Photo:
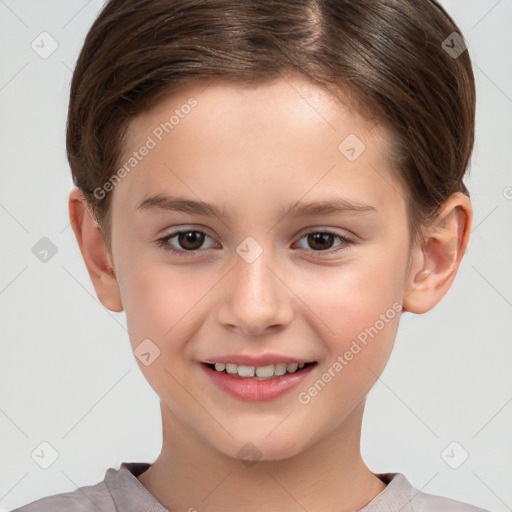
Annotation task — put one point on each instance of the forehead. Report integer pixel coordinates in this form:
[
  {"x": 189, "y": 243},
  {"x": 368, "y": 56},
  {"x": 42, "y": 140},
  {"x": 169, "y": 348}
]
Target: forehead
[{"x": 288, "y": 137}]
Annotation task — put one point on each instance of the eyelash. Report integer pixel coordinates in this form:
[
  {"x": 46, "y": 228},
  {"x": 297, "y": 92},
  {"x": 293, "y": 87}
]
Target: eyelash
[{"x": 164, "y": 242}]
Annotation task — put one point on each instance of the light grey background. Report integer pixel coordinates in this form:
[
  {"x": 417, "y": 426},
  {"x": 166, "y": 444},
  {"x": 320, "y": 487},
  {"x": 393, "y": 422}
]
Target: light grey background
[{"x": 68, "y": 376}]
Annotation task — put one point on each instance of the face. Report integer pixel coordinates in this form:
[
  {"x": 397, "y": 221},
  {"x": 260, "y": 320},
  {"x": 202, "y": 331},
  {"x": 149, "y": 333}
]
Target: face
[{"x": 302, "y": 257}]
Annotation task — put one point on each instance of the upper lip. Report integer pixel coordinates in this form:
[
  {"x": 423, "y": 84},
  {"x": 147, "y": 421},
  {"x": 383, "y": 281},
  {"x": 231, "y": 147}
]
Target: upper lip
[{"x": 259, "y": 360}]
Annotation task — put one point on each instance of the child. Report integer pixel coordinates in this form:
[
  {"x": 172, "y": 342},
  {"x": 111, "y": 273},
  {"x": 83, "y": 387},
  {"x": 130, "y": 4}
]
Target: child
[{"x": 316, "y": 151}]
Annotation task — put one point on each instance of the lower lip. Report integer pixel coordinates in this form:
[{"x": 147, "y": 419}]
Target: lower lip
[{"x": 253, "y": 390}]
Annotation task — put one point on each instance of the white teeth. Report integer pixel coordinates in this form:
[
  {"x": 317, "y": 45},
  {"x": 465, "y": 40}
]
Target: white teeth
[
  {"x": 231, "y": 368},
  {"x": 280, "y": 369},
  {"x": 262, "y": 372},
  {"x": 292, "y": 368},
  {"x": 265, "y": 371},
  {"x": 246, "y": 371}
]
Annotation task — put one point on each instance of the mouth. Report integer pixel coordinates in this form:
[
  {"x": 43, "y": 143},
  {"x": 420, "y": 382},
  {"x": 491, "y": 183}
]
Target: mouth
[
  {"x": 257, "y": 383},
  {"x": 271, "y": 371}
]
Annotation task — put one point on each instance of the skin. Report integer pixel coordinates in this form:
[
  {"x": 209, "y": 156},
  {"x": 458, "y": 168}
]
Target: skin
[{"x": 255, "y": 151}]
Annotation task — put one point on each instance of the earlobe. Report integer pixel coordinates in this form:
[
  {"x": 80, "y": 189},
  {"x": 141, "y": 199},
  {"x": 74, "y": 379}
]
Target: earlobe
[
  {"x": 94, "y": 251},
  {"x": 435, "y": 264}
]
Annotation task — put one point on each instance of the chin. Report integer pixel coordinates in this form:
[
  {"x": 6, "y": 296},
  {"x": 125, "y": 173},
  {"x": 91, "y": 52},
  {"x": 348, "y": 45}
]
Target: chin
[{"x": 260, "y": 448}]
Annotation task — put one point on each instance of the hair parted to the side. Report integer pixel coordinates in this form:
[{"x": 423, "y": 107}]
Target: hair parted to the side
[{"x": 386, "y": 56}]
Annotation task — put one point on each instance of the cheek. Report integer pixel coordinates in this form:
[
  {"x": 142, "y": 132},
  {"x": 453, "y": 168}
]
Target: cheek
[
  {"x": 357, "y": 308},
  {"x": 161, "y": 302},
  {"x": 353, "y": 296},
  {"x": 359, "y": 317}
]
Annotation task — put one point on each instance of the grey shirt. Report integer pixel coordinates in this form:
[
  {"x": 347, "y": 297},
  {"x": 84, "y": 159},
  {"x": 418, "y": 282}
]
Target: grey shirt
[{"x": 120, "y": 491}]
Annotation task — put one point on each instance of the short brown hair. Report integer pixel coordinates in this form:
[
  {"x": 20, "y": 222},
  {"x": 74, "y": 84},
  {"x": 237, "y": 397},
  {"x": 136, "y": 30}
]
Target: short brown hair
[{"x": 388, "y": 55}]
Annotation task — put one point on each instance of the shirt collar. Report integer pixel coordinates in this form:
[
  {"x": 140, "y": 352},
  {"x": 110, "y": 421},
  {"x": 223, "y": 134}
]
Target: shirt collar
[
  {"x": 130, "y": 495},
  {"x": 397, "y": 495}
]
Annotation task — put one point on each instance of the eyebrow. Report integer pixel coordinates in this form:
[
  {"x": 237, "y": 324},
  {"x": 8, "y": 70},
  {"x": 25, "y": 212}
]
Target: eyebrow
[{"x": 181, "y": 204}]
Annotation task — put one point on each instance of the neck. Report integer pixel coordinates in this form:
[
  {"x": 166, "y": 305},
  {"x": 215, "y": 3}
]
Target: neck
[{"x": 329, "y": 475}]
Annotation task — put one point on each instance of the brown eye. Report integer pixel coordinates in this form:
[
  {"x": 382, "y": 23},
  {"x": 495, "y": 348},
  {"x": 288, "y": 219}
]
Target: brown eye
[
  {"x": 190, "y": 240},
  {"x": 185, "y": 242},
  {"x": 321, "y": 241}
]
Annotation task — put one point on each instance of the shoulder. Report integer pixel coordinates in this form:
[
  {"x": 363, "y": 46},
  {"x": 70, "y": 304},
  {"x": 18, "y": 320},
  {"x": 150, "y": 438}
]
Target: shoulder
[
  {"x": 424, "y": 502},
  {"x": 120, "y": 490},
  {"x": 399, "y": 494},
  {"x": 84, "y": 499}
]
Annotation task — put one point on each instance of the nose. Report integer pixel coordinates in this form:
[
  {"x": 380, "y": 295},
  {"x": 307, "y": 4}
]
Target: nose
[{"x": 255, "y": 298}]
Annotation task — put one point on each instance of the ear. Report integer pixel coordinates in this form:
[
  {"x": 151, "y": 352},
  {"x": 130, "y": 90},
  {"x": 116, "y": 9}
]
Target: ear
[
  {"x": 94, "y": 251},
  {"x": 434, "y": 264}
]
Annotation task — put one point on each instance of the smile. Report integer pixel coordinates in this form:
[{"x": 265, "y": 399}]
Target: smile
[
  {"x": 257, "y": 383},
  {"x": 258, "y": 372}
]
